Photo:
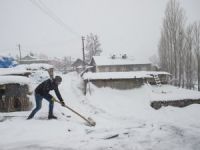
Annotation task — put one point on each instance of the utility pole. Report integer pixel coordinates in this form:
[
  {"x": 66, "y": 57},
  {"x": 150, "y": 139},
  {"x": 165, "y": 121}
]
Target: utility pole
[
  {"x": 20, "y": 55},
  {"x": 83, "y": 48}
]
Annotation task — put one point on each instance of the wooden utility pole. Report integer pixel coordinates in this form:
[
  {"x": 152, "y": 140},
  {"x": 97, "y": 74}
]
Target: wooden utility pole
[
  {"x": 20, "y": 54},
  {"x": 83, "y": 48}
]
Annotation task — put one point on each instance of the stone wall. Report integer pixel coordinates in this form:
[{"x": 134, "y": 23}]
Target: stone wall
[{"x": 176, "y": 103}]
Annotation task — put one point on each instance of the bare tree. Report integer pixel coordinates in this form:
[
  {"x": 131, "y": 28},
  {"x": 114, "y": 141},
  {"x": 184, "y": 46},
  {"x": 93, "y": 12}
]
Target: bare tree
[
  {"x": 172, "y": 40},
  {"x": 163, "y": 53},
  {"x": 154, "y": 60},
  {"x": 189, "y": 69},
  {"x": 66, "y": 62},
  {"x": 180, "y": 57},
  {"x": 93, "y": 46},
  {"x": 196, "y": 42}
]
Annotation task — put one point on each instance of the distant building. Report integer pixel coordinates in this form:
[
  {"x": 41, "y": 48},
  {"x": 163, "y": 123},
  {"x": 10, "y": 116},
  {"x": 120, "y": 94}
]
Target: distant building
[
  {"x": 124, "y": 80},
  {"x": 78, "y": 65},
  {"x": 31, "y": 59},
  {"x": 119, "y": 64},
  {"x": 122, "y": 73}
]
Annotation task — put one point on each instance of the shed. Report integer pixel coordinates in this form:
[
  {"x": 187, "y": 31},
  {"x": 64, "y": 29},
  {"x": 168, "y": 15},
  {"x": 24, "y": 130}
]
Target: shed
[
  {"x": 123, "y": 80},
  {"x": 14, "y": 91}
]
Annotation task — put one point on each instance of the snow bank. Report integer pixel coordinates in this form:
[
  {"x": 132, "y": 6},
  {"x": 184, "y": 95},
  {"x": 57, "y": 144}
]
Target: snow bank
[{"x": 170, "y": 93}]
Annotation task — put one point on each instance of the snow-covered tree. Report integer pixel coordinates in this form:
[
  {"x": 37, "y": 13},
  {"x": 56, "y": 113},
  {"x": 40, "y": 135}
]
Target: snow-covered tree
[{"x": 93, "y": 47}]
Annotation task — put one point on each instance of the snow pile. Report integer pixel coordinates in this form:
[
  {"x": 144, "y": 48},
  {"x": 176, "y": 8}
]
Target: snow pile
[
  {"x": 39, "y": 66},
  {"x": 14, "y": 70},
  {"x": 38, "y": 71},
  {"x": 170, "y": 93}
]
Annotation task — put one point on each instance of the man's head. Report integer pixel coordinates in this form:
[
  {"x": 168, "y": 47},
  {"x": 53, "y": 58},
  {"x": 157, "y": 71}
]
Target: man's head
[{"x": 57, "y": 80}]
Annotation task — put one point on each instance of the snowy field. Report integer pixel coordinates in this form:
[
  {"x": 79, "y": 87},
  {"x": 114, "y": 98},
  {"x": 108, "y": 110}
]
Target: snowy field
[{"x": 126, "y": 115}]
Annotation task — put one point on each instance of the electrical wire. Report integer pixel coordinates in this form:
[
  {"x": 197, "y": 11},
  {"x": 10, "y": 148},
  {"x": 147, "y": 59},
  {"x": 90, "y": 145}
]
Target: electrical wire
[{"x": 53, "y": 16}]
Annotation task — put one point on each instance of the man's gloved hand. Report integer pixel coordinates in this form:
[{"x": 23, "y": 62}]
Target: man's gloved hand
[
  {"x": 62, "y": 103},
  {"x": 53, "y": 99}
]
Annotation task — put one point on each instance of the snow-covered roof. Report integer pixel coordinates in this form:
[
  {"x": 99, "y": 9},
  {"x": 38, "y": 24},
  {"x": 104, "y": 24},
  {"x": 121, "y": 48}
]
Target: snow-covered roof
[
  {"x": 14, "y": 79},
  {"x": 12, "y": 71},
  {"x": 35, "y": 66},
  {"x": 32, "y": 58},
  {"x": 121, "y": 75},
  {"x": 105, "y": 61}
]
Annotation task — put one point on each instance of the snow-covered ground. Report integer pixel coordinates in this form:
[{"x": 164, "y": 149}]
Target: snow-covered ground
[{"x": 125, "y": 114}]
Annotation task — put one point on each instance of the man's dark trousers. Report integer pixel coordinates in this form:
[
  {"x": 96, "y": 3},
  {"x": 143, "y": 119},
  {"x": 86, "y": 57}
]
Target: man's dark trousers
[{"x": 38, "y": 99}]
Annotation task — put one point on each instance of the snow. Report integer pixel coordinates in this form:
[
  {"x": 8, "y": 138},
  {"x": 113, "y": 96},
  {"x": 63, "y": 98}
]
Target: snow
[
  {"x": 26, "y": 68},
  {"x": 121, "y": 75},
  {"x": 170, "y": 93},
  {"x": 15, "y": 79},
  {"x": 14, "y": 70},
  {"x": 35, "y": 66},
  {"x": 105, "y": 61},
  {"x": 124, "y": 112}
]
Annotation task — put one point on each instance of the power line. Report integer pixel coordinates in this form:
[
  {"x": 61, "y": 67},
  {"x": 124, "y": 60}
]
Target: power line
[{"x": 53, "y": 16}]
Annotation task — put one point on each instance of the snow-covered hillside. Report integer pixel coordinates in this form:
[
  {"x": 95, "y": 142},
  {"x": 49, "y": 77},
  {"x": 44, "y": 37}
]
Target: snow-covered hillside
[{"x": 124, "y": 114}]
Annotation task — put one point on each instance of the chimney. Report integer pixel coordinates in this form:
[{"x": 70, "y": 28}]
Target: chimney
[
  {"x": 124, "y": 56},
  {"x": 113, "y": 56}
]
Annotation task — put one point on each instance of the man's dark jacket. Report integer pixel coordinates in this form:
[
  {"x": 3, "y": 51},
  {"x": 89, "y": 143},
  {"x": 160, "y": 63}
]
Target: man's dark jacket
[{"x": 45, "y": 87}]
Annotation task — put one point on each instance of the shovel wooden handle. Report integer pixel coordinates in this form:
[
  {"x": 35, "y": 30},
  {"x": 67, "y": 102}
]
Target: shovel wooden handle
[{"x": 89, "y": 121}]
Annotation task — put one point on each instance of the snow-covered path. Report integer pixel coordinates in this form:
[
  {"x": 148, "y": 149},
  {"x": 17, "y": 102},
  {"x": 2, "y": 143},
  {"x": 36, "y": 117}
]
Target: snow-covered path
[{"x": 126, "y": 115}]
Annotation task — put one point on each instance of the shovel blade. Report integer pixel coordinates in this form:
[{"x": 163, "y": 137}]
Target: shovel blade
[{"x": 91, "y": 121}]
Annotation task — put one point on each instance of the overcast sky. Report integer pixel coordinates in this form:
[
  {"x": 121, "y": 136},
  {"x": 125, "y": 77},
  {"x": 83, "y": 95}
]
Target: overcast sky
[{"x": 123, "y": 26}]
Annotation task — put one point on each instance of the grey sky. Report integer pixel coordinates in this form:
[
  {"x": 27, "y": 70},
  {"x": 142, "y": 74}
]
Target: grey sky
[{"x": 123, "y": 26}]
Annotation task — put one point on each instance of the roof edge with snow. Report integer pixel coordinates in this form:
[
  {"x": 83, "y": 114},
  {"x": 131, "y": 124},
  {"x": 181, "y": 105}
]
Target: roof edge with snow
[
  {"x": 14, "y": 80},
  {"x": 121, "y": 75}
]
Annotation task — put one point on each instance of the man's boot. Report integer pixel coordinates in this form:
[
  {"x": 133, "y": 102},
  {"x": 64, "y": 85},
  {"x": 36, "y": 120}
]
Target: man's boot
[{"x": 52, "y": 117}]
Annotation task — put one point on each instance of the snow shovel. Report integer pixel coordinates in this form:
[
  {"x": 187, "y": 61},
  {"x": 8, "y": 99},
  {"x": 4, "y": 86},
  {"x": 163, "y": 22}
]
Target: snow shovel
[{"x": 89, "y": 120}]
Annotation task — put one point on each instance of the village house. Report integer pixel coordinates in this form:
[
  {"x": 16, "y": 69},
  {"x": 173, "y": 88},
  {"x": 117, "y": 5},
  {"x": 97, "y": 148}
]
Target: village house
[
  {"x": 32, "y": 60},
  {"x": 120, "y": 63},
  {"x": 122, "y": 73}
]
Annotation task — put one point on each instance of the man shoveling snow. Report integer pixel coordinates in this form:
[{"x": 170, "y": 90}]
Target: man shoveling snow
[{"x": 42, "y": 91}]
